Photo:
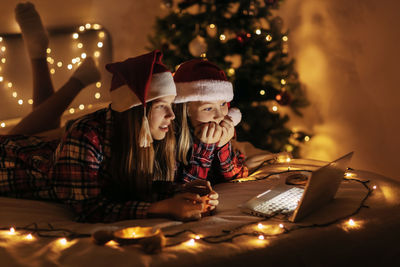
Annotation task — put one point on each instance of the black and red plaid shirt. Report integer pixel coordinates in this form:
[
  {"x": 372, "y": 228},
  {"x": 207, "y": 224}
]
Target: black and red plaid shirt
[
  {"x": 74, "y": 174},
  {"x": 216, "y": 164}
]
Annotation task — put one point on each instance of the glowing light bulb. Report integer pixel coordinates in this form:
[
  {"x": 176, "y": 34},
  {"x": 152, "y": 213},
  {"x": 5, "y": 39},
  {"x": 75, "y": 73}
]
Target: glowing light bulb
[
  {"x": 306, "y": 138},
  {"x": 3, "y": 49},
  {"x": 275, "y": 108},
  {"x": 96, "y": 53},
  {"x": 81, "y": 107},
  {"x": 100, "y": 44},
  {"x": 348, "y": 174},
  {"x": 79, "y": 45},
  {"x": 261, "y": 237},
  {"x": 231, "y": 71},
  {"x": 48, "y": 50},
  {"x": 1, "y": 39},
  {"x": 72, "y": 110},
  {"x": 88, "y": 26},
  {"x": 374, "y": 187},
  {"x": 81, "y": 28},
  {"x": 30, "y": 101},
  {"x": 97, "y": 95},
  {"x": 14, "y": 94},
  {"x": 96, "y": 26},
  {"x": 262, "y": 92},
  {"x": 285, "y": 38},
  {"x": 351, "y": 222},
  {"x": 3, "y": 60},
  {"x": 52, "y": 71},
  {"x": 283, "y": 81},
  {"x": 59, "y": 64},
  {"x": 48, "y": 59},
  {"x": 69, "y": 66},
  {"x": 268, "y": 38},
  {"x": 1, "y": 78},
  {"x": 212, "y": 26},
  {"x": 9, "y": 84},
  {"x": 20, "y": 102},
  {"x": 75, "y": 35},
  {"x": 203, "y": 55},
  {"x": 83, "y": 55},
  {"x": 98, "y": 84},
  {"x": 62, "y": 241},
  {"x": 260, "y": 226},
  {"x": 258, "y": 31},
  {"x": 197, "y": 237},
  {"x": 222, "y": 37},
  {"x": 29, "y": 236},
  {"x": 281, "y": 225},
  {"x": 73, "y": 60},
  {"x": 102, "y": 34},
  {"x": 288, "y": 159},
  {"x": 191, "y": 242},
  {"x": 3, "y": 125},
  {"x": 12, "y": 231}
]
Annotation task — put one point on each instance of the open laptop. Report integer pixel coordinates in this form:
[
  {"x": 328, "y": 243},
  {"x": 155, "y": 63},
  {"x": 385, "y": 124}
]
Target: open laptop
[{"x": 321, "y": 187}]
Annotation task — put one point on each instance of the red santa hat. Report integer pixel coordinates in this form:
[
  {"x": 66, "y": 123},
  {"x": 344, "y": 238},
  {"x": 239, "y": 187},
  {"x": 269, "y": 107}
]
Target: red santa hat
[
  {"x": 137, "y": 81},
  {"x": 202, "y": 80}
]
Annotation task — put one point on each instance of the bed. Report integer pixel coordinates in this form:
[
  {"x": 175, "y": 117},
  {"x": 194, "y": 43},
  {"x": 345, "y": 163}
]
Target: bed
[{"x": 360, "y": 227}]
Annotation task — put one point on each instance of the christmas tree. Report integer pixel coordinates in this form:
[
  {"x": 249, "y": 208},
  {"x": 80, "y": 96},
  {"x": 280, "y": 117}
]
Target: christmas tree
[{"x": 247, "y": 40}]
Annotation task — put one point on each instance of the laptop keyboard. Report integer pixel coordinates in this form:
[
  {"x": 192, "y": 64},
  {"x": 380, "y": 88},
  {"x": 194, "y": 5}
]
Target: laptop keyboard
[{"x": 284, "y": 203}]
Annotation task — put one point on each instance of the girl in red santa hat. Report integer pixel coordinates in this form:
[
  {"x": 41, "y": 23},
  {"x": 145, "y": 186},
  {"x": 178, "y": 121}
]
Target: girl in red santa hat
[
  {"x": 113, "y": 164},
  {"x": 204, "y": 125}
]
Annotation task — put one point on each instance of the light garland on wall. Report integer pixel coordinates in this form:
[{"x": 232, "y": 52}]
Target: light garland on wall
[{"x": 59, "y": 65}]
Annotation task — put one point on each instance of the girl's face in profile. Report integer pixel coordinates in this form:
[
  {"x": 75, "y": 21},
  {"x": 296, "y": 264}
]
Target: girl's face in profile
[
  {"x": 204, "y": 112},
  {"x": 161, "y": 116}
]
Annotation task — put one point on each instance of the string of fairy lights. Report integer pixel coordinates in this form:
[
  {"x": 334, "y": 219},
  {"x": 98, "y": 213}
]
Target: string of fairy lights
[
  {"x": 259, "y": 231},
  {"x": 56, "y": 65}
]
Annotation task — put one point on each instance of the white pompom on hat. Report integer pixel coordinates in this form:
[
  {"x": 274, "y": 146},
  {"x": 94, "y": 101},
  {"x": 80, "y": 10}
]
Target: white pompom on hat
[
  {"x": 201, "y": 80},
  {"x": 137, "y": 81}
]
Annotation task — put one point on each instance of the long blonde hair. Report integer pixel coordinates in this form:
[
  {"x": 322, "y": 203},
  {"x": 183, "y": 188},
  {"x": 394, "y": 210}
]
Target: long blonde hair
[
  {"x": 133, "y": 169},
  {"x": 182, "y": 125}
]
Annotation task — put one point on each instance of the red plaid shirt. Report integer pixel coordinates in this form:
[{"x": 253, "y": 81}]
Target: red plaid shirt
[
  {"x": 76, "y": 174},
  {"x": 216, "y": 164}
]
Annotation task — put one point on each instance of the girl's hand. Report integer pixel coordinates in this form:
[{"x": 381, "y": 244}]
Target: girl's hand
[
  {"x": 206, "y": 192},
  {"x": 208, "y": 133},
  {"x": 228, "y": 131},
  {"x": 183, "y": 207}
]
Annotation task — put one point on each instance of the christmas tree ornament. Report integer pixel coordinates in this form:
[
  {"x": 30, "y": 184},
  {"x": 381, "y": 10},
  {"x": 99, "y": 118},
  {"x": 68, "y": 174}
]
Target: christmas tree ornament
[
  {"x": 283, "y": 98},
  {"x": 198, "y": 46}
]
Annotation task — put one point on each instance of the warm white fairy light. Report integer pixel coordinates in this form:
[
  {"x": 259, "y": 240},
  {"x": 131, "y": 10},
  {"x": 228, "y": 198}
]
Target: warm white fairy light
[
  {"x": 52, "y": 71},
  {"x": 69, "y": 66},
  {"x": 88, "y": 26},
  {"x": 83, "y": 55},
  {"x": 72, "y": 110},
  {"x": 73, "y": 61},
  {"x": 81, "y": 107},
  {"x": 288, "y": 159},
  {"x": 212, "y": 26},
  {"x": 1, "y": 39},
  {"x": 48, "y": 50},
  {"x": 75, "y": 35},
  {"x": 100, "y": 44},
  {"x": 96, "y": 54},
  {"x": 231, "y": 71},
  {"x": 306, "y": 138},
  {"x": 258, "y": 31},
  {"x": 29, "y": 237},
  {"x": 48, "y": 59},
  {"x": 79, "y": 45},
  {"x": 351, "y": 222},
  {"x": 191, "y": 242},
  {"x": 62, "y": 241},
  {"x": 275, "y": 108},
  {"x": 3, "y": 125},
  {"x": 14, "y": 94},
  {"x": 285, "y": 38},
  {"x": 374, "y": 187},
  {"x": 59, "y": 64},
  {"x": 12, "y": 231},
  {"x": 3, "y": 49},
  {"x": 1, "y": 78},
  {"x": 81, "y": 28},
  {"x": 268, "y": 38},
  {"x": 222, "y": 37},
  {"x": 281, "y": 225},
  {"x": 283, "y": 81},
  {"x": 262, "y": 92},
  {"x": 97, "y": 95},
  {"x": 261, "y": 237},
  {"x": 102, "y": 34},
  {"x": 96, "y": 26},
  {"x": 98, "y": 84},
  {"x": 3, "y": 60},
  {"x": 197, "y": 237},
  {"x": 260, "y": 226},
  {"x": 9, "y": 84},
  {"x": 20, "y": 101},
  {"x": 30, "y": 101}
]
